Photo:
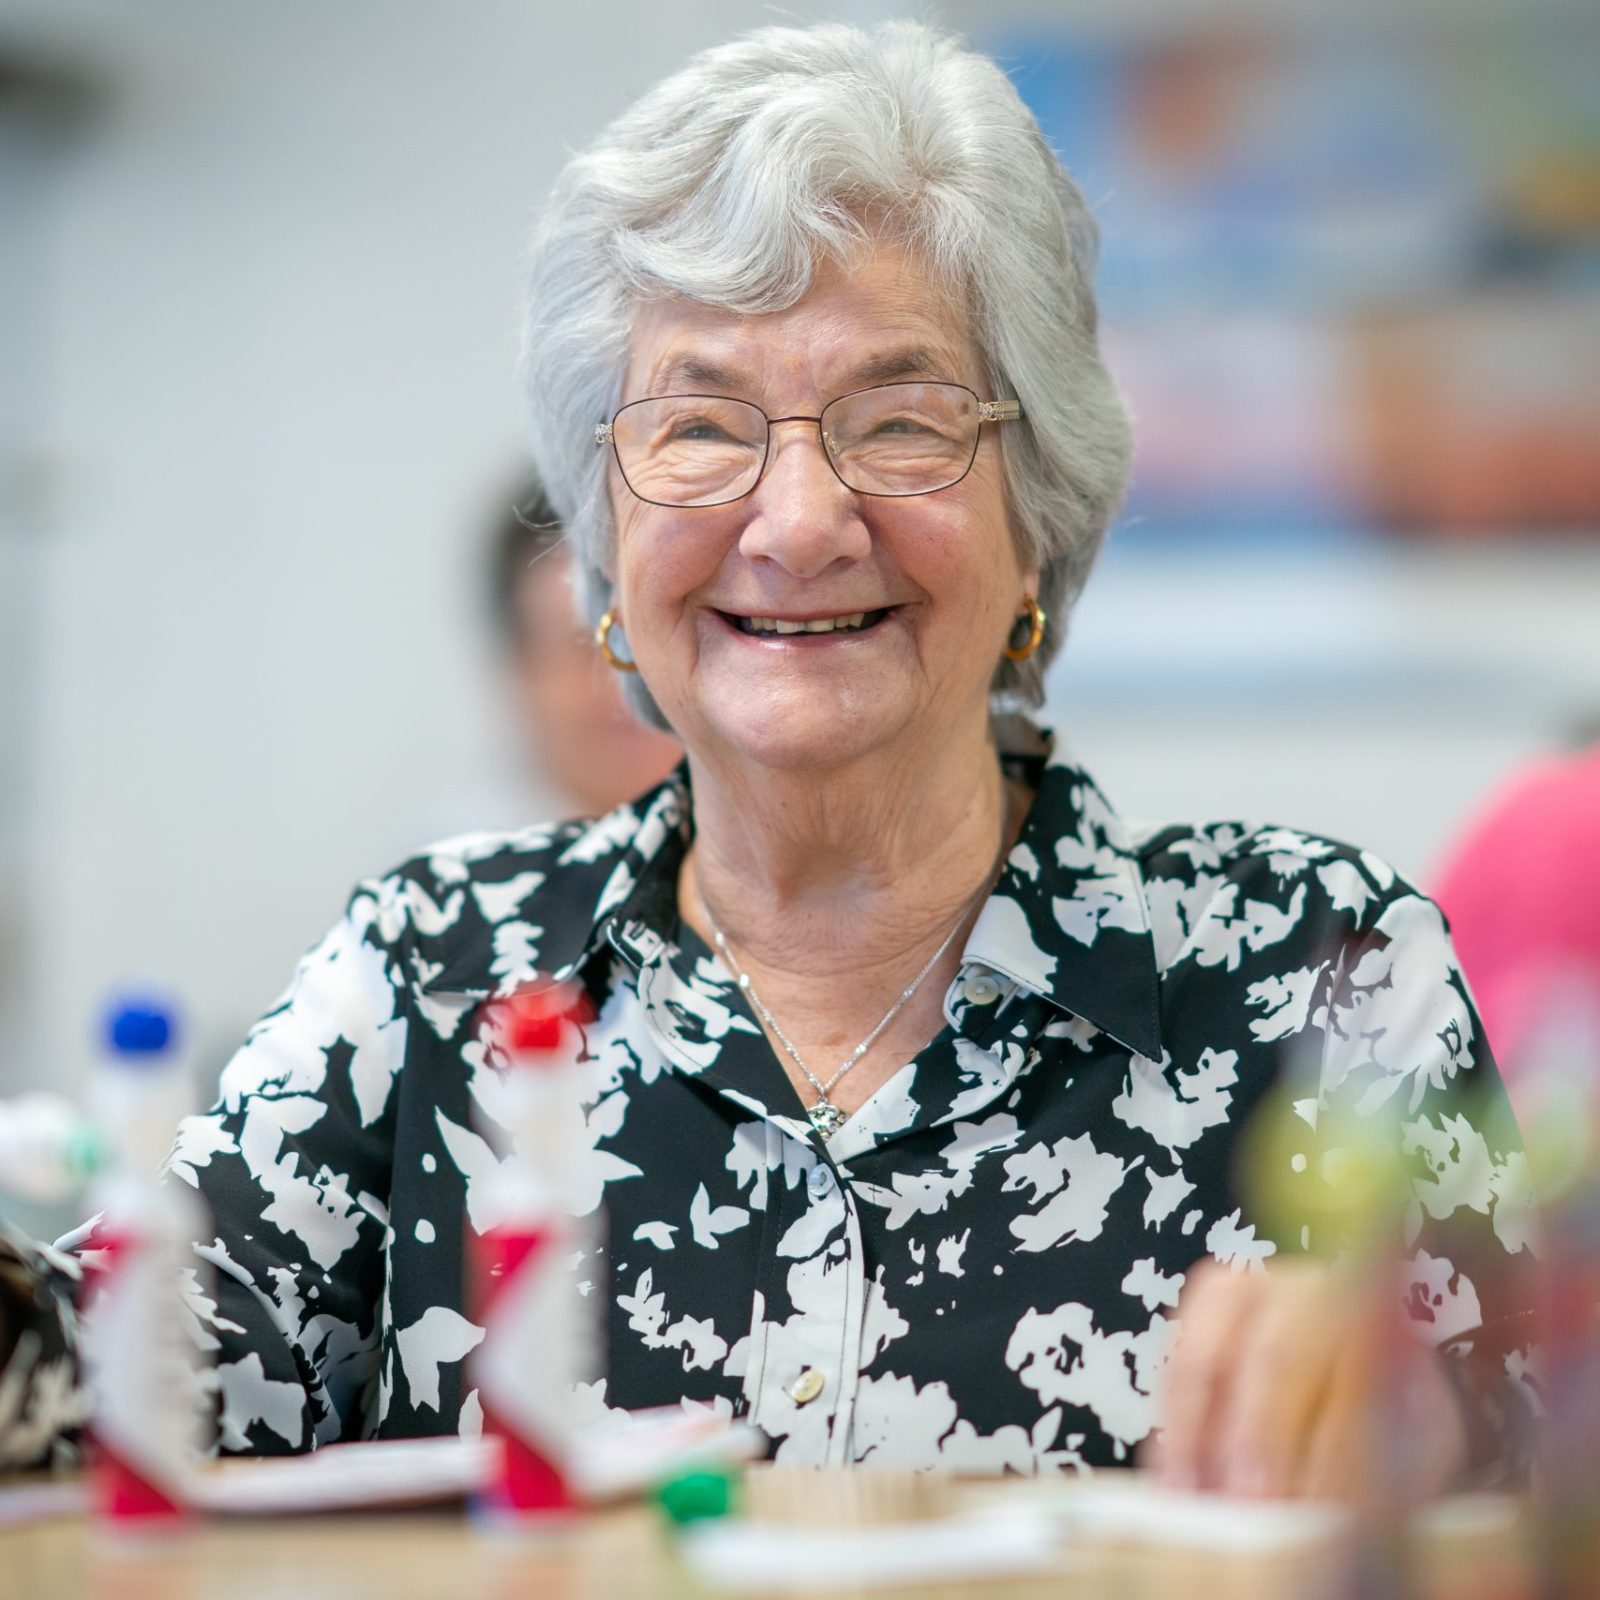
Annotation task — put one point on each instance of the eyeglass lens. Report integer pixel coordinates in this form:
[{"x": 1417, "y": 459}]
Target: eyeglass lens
[{"x": 700, "y": 450}]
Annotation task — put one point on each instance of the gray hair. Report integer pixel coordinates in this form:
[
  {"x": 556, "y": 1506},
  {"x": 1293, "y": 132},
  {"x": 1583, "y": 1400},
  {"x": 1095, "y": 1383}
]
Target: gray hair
[{"x": 730, "y": 181}]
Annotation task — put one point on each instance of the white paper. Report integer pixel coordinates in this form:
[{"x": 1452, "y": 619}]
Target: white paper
[
  {"x": 622, "y": 1455},
  {"x": 735, "y": 1554},
  {"x": 1135, "y": 1508},
  {"x": 1132, "y": 1507},
  {"x": 633, "y": 1451},
  {"x": 348, "y": 1477},
  {"x": 35, "y": 1502}
]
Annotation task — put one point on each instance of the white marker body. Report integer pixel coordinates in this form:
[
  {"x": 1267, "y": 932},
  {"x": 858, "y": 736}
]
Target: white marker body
[{"x": 149, "y": 1400}]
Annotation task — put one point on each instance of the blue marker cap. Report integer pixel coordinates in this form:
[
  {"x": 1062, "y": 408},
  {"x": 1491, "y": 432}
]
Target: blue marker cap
[{"x": 139, "y": 1027}]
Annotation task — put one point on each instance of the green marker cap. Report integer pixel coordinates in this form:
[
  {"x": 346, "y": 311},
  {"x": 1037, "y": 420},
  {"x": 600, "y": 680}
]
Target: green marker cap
[{"x": 695, "y": 1496}]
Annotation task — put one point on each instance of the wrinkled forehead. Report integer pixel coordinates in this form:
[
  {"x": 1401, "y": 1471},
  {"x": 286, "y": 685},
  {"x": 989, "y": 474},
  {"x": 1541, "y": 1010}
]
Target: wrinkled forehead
[{"x": 883, "y": 320}]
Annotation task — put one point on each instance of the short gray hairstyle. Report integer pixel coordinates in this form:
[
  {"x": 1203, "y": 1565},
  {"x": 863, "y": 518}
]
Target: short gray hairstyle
[{"x": 731, "y": 180}]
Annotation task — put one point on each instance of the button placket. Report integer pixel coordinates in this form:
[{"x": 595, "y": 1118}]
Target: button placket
[
  {"x": 853, "y": 1267},
  {"x": 808, "y": 1385}
]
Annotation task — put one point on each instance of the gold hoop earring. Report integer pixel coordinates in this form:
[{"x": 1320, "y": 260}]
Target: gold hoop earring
[
  {"x": 1036, "y": 620},
  {"x": 602, "y": 639}
]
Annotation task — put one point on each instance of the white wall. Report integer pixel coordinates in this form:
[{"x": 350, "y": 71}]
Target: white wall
[
  {"x": 279, "y": 358},
  {"x": 1373, "y": 695}
]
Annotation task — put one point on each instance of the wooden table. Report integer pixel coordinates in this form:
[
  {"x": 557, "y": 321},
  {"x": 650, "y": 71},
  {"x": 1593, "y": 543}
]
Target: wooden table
[{"x": 627, "y": 1555}]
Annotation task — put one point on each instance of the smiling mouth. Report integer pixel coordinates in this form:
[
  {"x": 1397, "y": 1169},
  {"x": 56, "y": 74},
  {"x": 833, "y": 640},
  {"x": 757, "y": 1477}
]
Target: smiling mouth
[{"x": 784, "y": 627}]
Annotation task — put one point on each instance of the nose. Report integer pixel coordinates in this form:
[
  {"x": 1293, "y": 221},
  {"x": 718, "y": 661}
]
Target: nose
[{"x": 801, "y": 516}]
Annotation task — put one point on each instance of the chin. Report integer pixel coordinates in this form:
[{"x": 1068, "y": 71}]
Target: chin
[{"x": 801, "y": 738}]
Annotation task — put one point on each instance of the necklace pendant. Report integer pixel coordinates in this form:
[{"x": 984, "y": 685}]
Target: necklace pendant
[{"x": 826, "y": 1118}]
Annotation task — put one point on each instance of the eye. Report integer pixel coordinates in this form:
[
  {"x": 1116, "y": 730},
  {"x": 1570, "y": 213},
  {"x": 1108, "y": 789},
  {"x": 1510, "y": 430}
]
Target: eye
[
  {"x": 899, "y": 427},
  {"x": 698, "y": 430}
]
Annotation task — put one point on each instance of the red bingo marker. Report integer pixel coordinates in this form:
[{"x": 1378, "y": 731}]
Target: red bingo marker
[{"x": 538, "y": 1342}]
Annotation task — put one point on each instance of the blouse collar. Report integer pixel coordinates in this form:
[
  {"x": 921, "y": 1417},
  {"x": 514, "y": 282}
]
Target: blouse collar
[{"x": 1067, "y": 918}]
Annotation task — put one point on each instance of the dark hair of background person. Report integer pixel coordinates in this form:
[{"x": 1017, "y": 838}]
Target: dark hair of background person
[{"x": 583, "y": 750}]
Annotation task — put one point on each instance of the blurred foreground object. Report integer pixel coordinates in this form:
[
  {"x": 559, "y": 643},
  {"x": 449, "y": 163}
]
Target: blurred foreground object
[
  {"x": 142, "y": 1364},
  {"x": 538, "y": 1343},
  {"x": 1323, "y": 1375},
  {"x": 574, "y": 727},
  {"x": 1521, "y": 889},
  {"x": 1559, "y": 1102},
  {"x": 540, "y": 1303},
  {"x": 48, "y": 1148}
]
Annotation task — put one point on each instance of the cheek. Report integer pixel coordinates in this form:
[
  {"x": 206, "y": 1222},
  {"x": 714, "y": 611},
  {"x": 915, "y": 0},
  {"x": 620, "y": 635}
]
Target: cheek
[
  {"x": 658, "y": 569},
  {"x": 968, "y": 562},
  {"x": 630, "y": 572},
  {"x": 976, "y": 518}
]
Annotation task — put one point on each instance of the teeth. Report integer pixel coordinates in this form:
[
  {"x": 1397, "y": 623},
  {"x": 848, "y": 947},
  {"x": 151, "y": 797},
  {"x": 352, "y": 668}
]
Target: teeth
[{"x": 820, "y": 625}]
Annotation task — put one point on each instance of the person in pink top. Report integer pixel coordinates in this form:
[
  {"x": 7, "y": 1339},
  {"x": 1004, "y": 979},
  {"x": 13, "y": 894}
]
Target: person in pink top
[{"x": 1521, "y": 890}]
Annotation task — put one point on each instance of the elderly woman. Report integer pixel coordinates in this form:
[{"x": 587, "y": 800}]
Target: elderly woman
[{"x": 918, "y": 1073}]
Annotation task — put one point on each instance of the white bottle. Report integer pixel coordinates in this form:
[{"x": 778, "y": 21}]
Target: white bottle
[
  {"x": 147, "y": 1395},
  {"x": 540, "y": 1336}
]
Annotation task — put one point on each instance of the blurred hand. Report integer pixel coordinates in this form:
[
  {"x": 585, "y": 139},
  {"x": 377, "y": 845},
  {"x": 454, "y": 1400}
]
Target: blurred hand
[{"x": 1273, "y": 1388}]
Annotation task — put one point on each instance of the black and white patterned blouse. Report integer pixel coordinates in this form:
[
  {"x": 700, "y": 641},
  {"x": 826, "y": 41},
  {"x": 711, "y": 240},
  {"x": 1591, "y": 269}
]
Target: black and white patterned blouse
[{"x": 979, "y": 1271}]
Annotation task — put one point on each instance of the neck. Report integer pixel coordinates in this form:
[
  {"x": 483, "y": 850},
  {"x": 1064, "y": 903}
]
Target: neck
[{"x": 846, "y": 871}]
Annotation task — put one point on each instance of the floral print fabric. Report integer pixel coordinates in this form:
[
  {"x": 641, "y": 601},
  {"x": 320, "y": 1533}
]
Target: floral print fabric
[{"x": 979, "y": 1271}]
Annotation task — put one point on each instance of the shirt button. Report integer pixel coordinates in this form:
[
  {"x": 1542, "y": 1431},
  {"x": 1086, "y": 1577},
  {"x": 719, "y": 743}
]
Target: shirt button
[
  {"x": 807, "y": 1386},
  {"x": 982, "y": 991},
  {"x": 820, "y": 1182}
]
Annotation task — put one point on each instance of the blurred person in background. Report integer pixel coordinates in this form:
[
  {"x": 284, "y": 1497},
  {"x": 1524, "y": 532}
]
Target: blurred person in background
[
  {"x": 577, "y": 735},
  {"x": 1520, "y": 888},
  {"x": 919, "y": 1073}
]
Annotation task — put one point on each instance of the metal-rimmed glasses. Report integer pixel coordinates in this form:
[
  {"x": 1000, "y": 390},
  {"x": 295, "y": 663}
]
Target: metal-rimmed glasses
[{"x": 893, "y": 439}]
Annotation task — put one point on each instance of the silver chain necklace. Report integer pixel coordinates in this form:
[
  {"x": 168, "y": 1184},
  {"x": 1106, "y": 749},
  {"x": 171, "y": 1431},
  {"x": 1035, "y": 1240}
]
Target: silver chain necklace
[{"x": 825, "y": 1116}]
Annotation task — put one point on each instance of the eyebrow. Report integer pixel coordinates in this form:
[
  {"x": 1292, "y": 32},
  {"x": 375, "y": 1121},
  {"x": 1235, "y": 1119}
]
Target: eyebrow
[
  {"x": 911, "y": 361},
  {"x": 698, "y": 371}
]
